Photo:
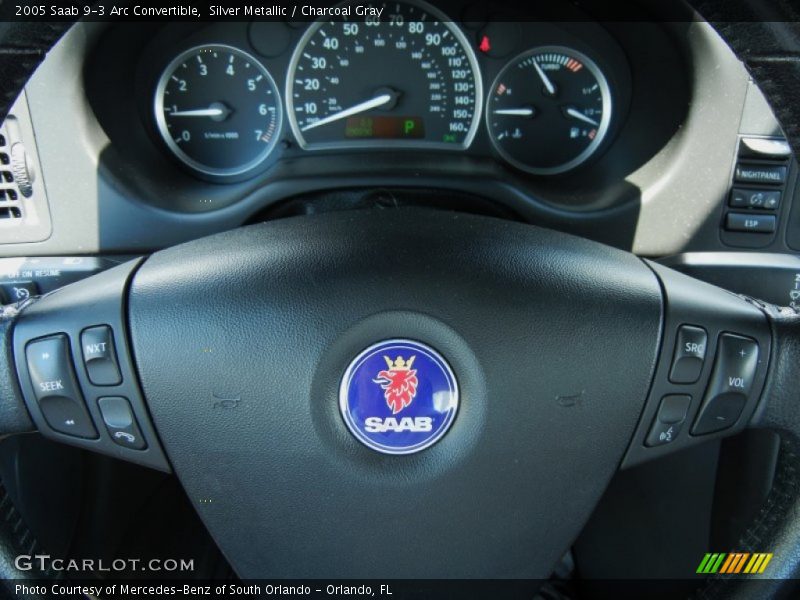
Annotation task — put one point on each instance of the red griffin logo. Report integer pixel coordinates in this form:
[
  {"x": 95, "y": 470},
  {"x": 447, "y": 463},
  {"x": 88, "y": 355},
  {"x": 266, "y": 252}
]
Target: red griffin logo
[{"x": 399, "y": 383}]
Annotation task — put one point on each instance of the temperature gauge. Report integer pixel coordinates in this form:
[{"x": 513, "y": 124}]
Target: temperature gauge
[{"x": 549, "y": 110}]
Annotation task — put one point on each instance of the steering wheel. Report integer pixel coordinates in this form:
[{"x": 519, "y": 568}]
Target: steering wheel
[{"x": 467, "y": 385}]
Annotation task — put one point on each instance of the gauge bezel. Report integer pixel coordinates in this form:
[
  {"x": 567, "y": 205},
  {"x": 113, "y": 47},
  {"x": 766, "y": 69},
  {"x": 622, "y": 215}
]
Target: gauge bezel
[
  {"x": 602, "y": 130},
  {"x": 438, "y": 16},
  {"x": 177, "y": 151}
]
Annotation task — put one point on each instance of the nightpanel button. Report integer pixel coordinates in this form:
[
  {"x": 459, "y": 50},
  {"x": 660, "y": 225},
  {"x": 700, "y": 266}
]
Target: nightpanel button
[
  {"x": 55, "y": 387},
  {"x": 750, "y": 173},
  {"x": 730, "y": 385},
  {"x": 689, "y": 355},
  {"x": 121, "y": 423},
  {"x": 100, "y": 356}
]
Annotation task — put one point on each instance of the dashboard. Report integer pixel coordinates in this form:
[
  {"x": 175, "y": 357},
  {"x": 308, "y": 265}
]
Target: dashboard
[
  {"x": 227, "y": 102},
  {"x": 622, "y": 131},
  {"x": 404, "y": 77}
]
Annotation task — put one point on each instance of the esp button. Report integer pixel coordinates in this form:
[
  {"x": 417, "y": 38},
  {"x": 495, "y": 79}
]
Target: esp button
[
  {"x": 100, "y": 356},
  {"x": 730, "y": 385},
  {"x": 55, "y": 387},
  {"x": 689, "y": 355},
  {"x": 750, "y": 222}
]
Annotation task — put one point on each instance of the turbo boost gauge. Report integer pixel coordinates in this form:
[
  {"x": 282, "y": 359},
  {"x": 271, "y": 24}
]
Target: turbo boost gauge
[{"x": 549, "y": 110}]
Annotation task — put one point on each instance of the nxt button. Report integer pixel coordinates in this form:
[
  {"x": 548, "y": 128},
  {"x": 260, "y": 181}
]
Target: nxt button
[
  {"x": 669, "y": 420},
  {"x": 121, "y": 423},
  {"x": 100, "y": 356},
  {"x": 689, "y": 355},
  {"x": 53, "y": 380}
]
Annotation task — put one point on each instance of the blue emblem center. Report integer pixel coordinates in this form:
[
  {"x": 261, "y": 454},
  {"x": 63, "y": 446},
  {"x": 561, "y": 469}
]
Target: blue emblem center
[{"x": 398, "y": 397}]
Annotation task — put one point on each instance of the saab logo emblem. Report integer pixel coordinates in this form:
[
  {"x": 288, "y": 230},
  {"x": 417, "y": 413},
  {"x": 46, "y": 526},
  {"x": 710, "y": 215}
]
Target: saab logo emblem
[
  {"x": 399, "y": 383},
  {"x": 398, "y": 397}
]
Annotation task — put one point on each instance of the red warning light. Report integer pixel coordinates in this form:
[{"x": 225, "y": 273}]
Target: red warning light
[{"x": 485, "y": 45}]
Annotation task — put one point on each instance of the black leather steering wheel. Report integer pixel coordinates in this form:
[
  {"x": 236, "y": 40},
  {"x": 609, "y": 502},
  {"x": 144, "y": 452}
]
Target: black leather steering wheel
[{"x": 562, "y": 349}]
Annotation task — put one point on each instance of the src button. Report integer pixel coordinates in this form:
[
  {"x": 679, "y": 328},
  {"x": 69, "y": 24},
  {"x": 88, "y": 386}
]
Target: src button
[
  {"x": 689, "y": 356},
  {"x": 730, "y": 385}
]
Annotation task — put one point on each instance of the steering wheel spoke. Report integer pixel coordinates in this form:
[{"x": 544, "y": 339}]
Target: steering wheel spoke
[
  {"x": 76, "y": 371},
  {"x": 712, "y": 368}
]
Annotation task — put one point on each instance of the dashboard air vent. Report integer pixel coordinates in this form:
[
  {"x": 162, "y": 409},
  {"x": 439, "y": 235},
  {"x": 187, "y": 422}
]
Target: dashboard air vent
[{"x": 24, "y": 213}]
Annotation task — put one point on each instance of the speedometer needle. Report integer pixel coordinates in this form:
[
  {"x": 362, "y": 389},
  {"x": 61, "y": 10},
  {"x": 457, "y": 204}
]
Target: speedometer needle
[
  {"x": 376, "y": 102},
  {"x": 576, "y": 114}
]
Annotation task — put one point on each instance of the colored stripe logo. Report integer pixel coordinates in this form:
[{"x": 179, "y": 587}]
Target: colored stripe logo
[{"x": 734, "y": 563}]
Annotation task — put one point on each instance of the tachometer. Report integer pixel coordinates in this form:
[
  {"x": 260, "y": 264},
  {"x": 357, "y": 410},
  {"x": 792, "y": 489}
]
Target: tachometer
[
  {"x": 218, "y": 110},
  {"x": 407, "y": 78}
]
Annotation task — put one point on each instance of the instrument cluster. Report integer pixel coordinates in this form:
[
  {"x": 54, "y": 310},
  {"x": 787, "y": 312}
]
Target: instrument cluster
[{"x": 541, "y": 98}]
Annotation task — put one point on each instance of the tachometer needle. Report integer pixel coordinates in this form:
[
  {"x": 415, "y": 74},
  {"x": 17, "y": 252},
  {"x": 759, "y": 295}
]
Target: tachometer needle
[
  {"x": 376, "y": 102},
  {"x": 548, "y": 84},
  {"x": 200, "y": 112},
  {"x": 576, "y": 114},
  {"x": 515, "y": 112}
]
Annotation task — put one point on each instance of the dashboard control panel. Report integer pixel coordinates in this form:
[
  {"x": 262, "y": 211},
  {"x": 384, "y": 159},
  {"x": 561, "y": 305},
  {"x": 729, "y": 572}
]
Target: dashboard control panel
[{"x": 758, "y": 191}]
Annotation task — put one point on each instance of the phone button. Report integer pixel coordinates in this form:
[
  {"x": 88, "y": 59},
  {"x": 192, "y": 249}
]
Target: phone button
[{"x": 121, "y": 423}]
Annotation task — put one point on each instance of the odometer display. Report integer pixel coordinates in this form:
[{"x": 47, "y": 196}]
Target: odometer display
[
  {"x": 407, "y": 78},
  {"x": 377, "y": 127}
]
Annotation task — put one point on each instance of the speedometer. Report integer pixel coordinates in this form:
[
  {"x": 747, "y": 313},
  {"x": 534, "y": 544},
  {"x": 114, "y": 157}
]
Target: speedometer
[{"x": 406, "y": 78}]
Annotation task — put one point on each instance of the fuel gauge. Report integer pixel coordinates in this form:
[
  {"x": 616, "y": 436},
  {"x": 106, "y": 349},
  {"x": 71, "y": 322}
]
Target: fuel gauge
[{"x": 549, "y": 110}]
